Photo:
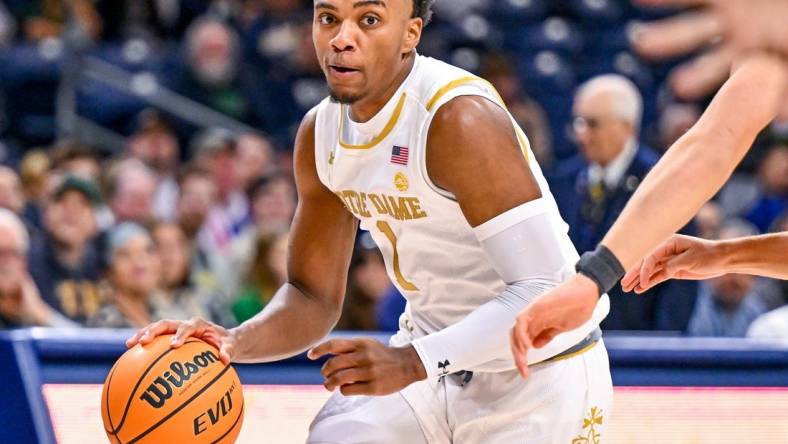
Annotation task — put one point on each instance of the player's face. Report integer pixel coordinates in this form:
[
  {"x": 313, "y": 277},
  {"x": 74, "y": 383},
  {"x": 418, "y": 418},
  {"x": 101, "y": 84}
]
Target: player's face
[{"x": 361, "y": 44}]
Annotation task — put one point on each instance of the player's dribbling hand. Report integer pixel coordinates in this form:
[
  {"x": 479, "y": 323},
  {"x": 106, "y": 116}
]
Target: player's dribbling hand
[
  {"x": 731, "y": 29},
  {"x": 561, "y": 309},
  {"x": 367, "y": 367},
  {"x": 679, "y": 257},
  {"x": 221, "y": 338}
]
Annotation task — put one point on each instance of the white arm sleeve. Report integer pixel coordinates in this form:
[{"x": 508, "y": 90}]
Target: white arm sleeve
[{"x": 530, "y": 250}]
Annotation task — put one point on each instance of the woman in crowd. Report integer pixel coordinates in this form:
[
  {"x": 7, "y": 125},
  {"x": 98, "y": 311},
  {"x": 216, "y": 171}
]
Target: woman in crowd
[
  {"x": 266, "y": 273},
  {"x": 132, "y": 293}
]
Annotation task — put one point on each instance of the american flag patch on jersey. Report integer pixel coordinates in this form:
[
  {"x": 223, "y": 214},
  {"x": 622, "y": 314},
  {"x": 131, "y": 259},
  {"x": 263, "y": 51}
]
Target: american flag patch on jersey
[{"x": 399, "y": 155}]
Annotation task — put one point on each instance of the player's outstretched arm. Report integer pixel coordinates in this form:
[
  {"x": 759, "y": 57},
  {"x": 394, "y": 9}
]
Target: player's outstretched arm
[
  {"x": 685, "y": 257},
  {"x": 689, "y": 174},
  {"x": 308, "y": 306},
  {"x": 701, "y": 161}
]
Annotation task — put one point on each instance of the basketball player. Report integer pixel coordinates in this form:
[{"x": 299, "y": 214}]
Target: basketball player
[
  {"x": 427, "y": 158},
  {"x": 693, "y": 169}
]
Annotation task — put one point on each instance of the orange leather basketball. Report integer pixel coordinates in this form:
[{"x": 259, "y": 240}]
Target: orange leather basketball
[{"x": 156, "y": 394}]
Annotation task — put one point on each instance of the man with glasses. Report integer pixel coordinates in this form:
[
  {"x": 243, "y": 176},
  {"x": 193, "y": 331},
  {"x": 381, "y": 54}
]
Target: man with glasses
[
  {"x": 593, "y": 188},
  {"x": 20, "y": 303}
]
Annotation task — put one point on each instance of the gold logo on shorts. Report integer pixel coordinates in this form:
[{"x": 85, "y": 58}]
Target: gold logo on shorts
[
  {"x": 401, "y": 182},
  {"x": 589, "y": 428}
]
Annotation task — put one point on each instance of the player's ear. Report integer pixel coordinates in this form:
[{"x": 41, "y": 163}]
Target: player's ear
[{"x": 412, "y": 34}]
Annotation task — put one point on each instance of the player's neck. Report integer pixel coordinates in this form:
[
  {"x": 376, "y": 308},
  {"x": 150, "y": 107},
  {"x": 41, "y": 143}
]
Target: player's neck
[{"x": 365, "y": 109}]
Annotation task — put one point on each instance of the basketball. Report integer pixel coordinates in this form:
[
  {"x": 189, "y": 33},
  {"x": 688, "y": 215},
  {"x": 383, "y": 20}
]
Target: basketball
[{"x": 155, "y": 393}]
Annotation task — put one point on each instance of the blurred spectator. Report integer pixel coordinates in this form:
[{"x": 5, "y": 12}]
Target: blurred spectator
[
  {"x": 727, "y": 305},
  {"x": 273, "y": 201},
  {"x": 12, "y": 196},
  {"x": 268, "y": 272},
  {"x": 33, "y": 172},
  {"x": 156, "y": 144},
  {"x": 276, "y": 26},
  {"x": 132, "y": 295},
  {"x": 498, "y": 70},
  {"x": 132, "y": 187},
  {"x": 372, "y": 303},
  {"x": 197, "y": 196},
  {"x": 20, "y": 302},
  {"x": 675, "y": 120},
  {"x": 773, "y": 178},
  {"x": 40, "y": 19},
  {"x": 592, "y": 189},
  {"x": 709, "y": 220},
  {"x": 64, "y": 263},
  {"x": 254, "y": 158},
  {"x": 215, "y": 74},
  {"x": 73, "y": 158},
  {"x": 293, "y": 74},
  {"x": 174, "y": 253},
  {"x": 215, "y": 150}
]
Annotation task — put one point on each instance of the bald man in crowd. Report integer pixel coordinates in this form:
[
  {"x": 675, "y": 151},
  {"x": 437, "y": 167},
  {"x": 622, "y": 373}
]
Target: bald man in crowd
[{"x": 593, "y": 188}]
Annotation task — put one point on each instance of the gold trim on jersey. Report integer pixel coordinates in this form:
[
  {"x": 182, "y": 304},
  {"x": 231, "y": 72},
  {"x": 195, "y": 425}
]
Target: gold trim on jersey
[
  {"x": 382, "y": 135},
  {"x": 385, "y": 228},
  {"x": 561, "y": 357},
  {"x": 448, "y": 87},
  {"x": 524, "y": 145}
]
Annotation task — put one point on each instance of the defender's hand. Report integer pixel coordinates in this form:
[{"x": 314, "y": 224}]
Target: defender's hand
[
  {"x": 732, "y": 29},
  {"x": 367, "y": 367},
  {"x": 679, "y": 257},
  {"x": 561, "y": 309},
  {"x": 221, "y": 338}
]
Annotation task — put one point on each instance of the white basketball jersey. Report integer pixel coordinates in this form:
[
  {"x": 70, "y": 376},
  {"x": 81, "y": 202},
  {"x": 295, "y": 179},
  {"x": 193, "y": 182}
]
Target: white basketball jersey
[{"x": 378, "y": 170}]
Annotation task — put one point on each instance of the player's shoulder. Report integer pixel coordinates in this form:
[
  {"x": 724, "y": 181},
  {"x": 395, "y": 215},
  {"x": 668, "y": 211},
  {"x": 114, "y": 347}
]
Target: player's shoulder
[{"x": 435, "y": 78}]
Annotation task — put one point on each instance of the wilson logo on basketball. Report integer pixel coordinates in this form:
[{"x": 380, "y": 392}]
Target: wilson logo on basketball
[{"x": 160, "y": 390}]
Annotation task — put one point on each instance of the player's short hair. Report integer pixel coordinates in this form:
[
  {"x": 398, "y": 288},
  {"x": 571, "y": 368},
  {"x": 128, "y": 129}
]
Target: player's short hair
[{"x": 423, "y": 10}]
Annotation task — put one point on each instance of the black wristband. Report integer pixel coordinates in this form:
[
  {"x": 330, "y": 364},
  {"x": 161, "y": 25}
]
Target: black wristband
[{"x": 602, "y": 267}]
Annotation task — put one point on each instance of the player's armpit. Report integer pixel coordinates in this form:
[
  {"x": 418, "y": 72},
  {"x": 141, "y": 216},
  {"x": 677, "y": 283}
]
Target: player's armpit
[{"x": 474, "y": 153}]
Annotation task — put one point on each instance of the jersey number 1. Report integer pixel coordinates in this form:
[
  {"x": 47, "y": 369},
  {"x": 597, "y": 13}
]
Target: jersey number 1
[{"x": 385, "y": 228}]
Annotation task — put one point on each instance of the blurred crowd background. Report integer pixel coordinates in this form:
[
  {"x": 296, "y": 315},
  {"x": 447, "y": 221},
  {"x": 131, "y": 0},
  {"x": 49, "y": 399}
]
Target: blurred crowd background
[{"x": 146, "y": 150}]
